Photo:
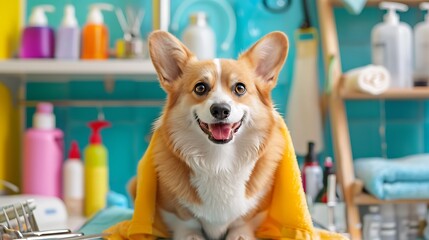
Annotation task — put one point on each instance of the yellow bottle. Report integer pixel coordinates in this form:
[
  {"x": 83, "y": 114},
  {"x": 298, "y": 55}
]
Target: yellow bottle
[{"x": 96, "y": 170}]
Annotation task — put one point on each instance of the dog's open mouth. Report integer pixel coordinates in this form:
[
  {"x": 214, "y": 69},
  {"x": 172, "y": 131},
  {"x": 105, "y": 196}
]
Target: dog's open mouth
[{"x": 219, "y": 132}]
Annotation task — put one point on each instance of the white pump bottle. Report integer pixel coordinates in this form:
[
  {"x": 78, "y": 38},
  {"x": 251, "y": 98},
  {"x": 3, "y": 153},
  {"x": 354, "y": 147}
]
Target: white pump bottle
[
  {"x": 392, "y": 45},
  {"x": 421, "y": 46}
]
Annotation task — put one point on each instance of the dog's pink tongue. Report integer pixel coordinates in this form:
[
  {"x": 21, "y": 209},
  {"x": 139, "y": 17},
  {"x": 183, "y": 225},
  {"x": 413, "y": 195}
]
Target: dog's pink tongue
[{"x": 220, "y": 131}]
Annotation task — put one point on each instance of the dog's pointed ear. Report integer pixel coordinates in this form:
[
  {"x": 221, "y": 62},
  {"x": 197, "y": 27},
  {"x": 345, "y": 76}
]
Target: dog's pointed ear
[
  {"x": 169, "y": 56},
  {"x": 267, "y": 57}
]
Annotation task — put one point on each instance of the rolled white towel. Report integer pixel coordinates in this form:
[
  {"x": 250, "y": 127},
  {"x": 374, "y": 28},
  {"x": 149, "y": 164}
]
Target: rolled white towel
[{"x": 369, "y": 79}]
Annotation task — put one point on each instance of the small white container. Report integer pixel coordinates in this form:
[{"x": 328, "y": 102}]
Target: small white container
[
  {"x": 73, "y": 185},
  {"x": 392, "y": 46},
  {"x": 421, "y": 46},
  {"x": 199, "y": 37}
]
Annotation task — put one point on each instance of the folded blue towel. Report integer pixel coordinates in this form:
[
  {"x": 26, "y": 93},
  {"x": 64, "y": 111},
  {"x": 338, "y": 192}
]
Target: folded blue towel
[
  {"x": 401, "y": 178},
  {"x": 105, "y": 219}
]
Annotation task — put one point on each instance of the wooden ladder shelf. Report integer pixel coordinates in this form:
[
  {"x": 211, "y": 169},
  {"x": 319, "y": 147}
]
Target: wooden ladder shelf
[{"x": 352, "y": 187}]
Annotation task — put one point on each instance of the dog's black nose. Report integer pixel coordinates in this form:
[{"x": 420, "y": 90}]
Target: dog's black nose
[{"x": 220, "y": 111}]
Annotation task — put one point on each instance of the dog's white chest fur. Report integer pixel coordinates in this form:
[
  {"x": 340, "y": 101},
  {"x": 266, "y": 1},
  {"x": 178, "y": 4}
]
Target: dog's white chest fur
[{"x": 220, "y": 180}]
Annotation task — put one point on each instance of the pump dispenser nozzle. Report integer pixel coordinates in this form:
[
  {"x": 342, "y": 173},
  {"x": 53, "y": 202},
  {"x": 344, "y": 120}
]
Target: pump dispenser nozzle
[
  {"x": 391, "y": 16},
  {"x": 96, "y": 127},
  {"x": 424, "y": 6},
  {"x": 95, "y": 16},
  {"x": 69, "y": 19},
  {"x": 38, "y": 16}
]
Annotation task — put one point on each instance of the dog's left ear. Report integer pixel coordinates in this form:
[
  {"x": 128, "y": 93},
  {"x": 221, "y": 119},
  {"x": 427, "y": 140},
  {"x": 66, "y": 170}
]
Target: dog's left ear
[{"x": 267, "y": 57}]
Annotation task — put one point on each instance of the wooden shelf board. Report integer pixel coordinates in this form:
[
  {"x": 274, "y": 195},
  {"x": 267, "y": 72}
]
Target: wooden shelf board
[
  {"x": 366, "y": 199},
  {"x": 412, "y": 93},
  {"x": 376, "y": 2},
  {"x": 57, "y": 70}
]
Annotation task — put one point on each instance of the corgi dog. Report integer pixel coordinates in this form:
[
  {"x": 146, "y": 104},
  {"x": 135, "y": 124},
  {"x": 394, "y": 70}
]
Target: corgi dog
[{"x": 219, "y": 141}]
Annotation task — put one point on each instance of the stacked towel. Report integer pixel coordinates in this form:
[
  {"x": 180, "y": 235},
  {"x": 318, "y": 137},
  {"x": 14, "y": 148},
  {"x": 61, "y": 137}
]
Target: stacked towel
[
  {"x": 288, "y": 216},
  {"x": 369, "y": 79},
  {"x": 401, "y": 178}
]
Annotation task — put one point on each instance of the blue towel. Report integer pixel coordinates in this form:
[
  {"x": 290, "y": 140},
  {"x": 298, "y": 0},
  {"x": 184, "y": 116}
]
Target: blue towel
[
  {"x": 105, "y": 219},
  {"x": 401, "y": 178}
]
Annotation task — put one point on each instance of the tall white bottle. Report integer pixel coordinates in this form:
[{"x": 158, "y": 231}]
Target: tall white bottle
[
  {"x": 73, "y": 180},
  {"x": 421, "y": 46},
  {"x": 392, "y": 45},
  {"x": 199, "y": 37}
]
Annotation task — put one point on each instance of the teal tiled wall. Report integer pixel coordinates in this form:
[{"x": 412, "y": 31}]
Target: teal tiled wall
[
  {"x": 407, "y": 127},
  {"x": 126, "y": 140}
]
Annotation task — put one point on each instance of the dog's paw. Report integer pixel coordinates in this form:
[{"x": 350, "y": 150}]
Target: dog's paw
[
  {"x": 240, "y": 237},
  {"x": 194, "y": 237}
]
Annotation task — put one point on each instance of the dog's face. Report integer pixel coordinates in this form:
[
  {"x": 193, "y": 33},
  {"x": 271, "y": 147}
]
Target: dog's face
[{"x": 218, "y": 100}]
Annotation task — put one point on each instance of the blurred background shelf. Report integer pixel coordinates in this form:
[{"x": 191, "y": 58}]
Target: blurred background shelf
[
  {"x": 367, "y": 199},
  {"x": 412, "y": 93},
  {"x": 376, "y": 2},
  {"x": 57, "y": 70}
]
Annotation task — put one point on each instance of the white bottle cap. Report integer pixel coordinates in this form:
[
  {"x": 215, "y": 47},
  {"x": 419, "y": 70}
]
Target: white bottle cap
[
  {"x": 374, "y": 209},
  {"x": 38, "y": 16},
  {"x": 44, "y": 118},
  {"x": 425, "y": 6},
  {"x": 95, "y": 16},
  {"x": 391, "y": 16},
  {"x": 69, "y": 19}
]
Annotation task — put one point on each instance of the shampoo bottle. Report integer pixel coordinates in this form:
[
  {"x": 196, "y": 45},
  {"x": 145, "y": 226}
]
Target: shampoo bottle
[
  {"x": 372, "y": 224},
  {"x": 199, "y": 37},
  {"x": 96, "y": 170},
  {"x": 95, "y": 35},
  {"x": 38, "y": 40},
  {"x": 73, "y": 182},
  {"x": 43, "y": 154},
  {"x": 392, "y": 45},
  {"x": 68, "y": 36},
  {"x": 312, "y": 175},
  {"x": 421, "y": 46}
]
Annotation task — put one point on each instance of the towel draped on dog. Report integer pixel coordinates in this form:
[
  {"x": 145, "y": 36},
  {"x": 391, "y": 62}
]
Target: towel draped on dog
[{"x": 288, "y": 216}]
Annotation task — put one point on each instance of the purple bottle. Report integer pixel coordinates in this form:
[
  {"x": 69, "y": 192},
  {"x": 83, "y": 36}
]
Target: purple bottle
[
  {"x": 38, "y": 39},
  {"x": 68, "y": 36}
]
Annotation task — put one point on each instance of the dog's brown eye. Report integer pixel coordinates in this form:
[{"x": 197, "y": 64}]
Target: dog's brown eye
[
  {"x": 201, "y": 88},
  {"x": 240, "y": 89}
]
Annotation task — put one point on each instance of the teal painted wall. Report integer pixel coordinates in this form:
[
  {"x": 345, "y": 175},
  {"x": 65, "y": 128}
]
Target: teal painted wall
[{"x": 407, "y": 128}]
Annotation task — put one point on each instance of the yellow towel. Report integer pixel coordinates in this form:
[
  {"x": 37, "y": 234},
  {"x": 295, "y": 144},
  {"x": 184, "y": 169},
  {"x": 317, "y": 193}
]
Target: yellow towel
[{"x": 288, "y": 216}]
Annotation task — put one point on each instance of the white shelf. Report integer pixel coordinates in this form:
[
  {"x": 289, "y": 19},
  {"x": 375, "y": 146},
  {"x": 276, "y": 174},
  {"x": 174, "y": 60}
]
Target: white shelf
[{"x": 57, "y": 70}]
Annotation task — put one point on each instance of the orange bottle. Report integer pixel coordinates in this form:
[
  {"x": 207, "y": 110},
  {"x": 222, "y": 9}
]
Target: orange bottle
[{"x": 95, "y": 34}]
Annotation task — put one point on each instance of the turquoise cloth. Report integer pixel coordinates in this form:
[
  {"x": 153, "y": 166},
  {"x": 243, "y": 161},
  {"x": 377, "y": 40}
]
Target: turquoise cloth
[
  {"x": 401, "y": 178},
  {"x": 354, "y": 6},
  {"x": 105, "y": 219}
]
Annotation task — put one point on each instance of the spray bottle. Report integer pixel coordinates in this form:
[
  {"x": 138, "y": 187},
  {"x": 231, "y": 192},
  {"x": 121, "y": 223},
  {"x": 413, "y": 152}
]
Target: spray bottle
[
  {"x": 312, "y": 175},
  {"x": 96, "y": 170},
  {"x": 68, "y": 36},
  {"x": 421, "y": 44},
  {"x": 95, "y": 35},
  {"x": 38, "y": 39},
  {"x": 392, "y": 45}
]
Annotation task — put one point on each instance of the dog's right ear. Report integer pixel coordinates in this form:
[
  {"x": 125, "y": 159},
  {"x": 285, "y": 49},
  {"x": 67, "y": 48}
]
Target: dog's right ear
[{"x": 169, "y": 56}]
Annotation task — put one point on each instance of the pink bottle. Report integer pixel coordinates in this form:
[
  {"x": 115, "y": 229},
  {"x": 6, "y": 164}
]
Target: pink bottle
[{"x": 43, "y": 154}]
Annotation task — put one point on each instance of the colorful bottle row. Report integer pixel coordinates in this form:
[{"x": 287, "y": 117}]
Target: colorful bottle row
[
  {"x": 39, "y": 40},
  {"x": 82, "y": 186}
]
